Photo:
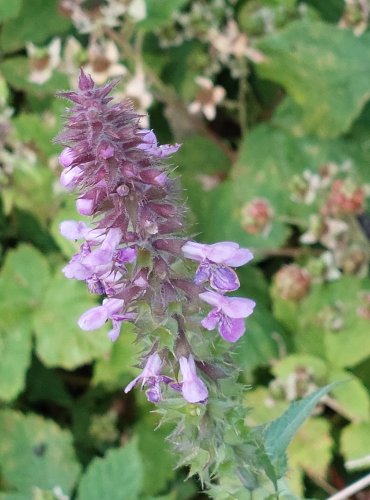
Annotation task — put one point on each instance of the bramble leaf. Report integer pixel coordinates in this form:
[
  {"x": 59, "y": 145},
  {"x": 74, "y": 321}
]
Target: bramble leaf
[
  {"x": 309, "y": 59},
  {"x": 35, "y": 452},
  {"x": 117, "y": 476}
]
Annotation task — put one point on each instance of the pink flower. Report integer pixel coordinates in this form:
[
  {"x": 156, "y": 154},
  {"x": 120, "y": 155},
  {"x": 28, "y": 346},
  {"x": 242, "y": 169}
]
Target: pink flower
[
  {"x": 228, "y": 314},
  {"x": 193, "y": 388},
  {"x": 215, "y": 261},
  {"x": 67, "y": 157},
  {"x": 151, "y": 377},
  {"x": 94, "y": 318},
  {"x": 150, "y": 144}
]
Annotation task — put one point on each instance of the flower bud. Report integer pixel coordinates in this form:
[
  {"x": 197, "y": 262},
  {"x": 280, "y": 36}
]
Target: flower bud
[
  {"x": 256, "y": 216},
  {"x": 292, "y": 282},
  {"x": 345, "y": 198}
]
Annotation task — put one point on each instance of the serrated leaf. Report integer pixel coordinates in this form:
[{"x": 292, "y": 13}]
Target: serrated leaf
[
  {"x": 59, "y": 340},
  {"x": 117, "y": 476},
  {"x": 309, "y": 59},
  {"x": 36, "y": 452},
  {"x": 280, "y": 432},
  {"x": 355, "y": 446}
]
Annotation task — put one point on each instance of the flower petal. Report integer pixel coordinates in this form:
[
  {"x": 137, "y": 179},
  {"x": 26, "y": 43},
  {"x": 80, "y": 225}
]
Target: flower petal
[
  {"x": 72, "y": 229},
  {"x": 241, "y": 257},
  {"x": 210, "y": 321},
  {"x": 93, "y": 318},
  {"x": 202, "y": 274},
  {"x": 222, "y": 250},
  {"x": 223, "y": 278},
  {"x": 195, "y": 391},
  {"x": 238, "y": 307},
  {"x": 66, "y": 157},
  {"x": 132, "y": 384},
  {"x": 195, "y": 251},
  {"x": 213, "y": 298},
  {"x": 231, "y": 329},
  {"x": 153, "y": 366},
  {"x": 193, "y": 388}
]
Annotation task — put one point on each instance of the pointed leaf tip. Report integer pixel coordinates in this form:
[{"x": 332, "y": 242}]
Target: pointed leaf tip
[{"x": 281, "y": 431}]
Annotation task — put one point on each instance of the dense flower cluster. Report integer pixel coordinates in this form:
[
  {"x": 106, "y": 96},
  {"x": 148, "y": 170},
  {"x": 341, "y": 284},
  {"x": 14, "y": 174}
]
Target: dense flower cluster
[{"x": 130, "y": 254}]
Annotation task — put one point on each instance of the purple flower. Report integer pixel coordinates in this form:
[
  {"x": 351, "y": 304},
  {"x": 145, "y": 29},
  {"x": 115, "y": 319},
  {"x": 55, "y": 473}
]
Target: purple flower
[
  {"x": 66, "y": 157},
  {"x": 150, "y": 145},
  {"x": 70, "y": 177},
  {"x": 96, "y": 317},
  {"x": 228, "y": 314},
  {"x": 151, "y": 377},
  {"x": 77, "y": 230},
  {"x": 215, "y": 261},
  {"x": 193, "y": 388},
  {"x": 117, "y": 321}
]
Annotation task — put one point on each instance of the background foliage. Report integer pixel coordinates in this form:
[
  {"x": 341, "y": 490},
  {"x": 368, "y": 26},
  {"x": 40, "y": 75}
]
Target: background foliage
[{"x": 275, "y": 156}]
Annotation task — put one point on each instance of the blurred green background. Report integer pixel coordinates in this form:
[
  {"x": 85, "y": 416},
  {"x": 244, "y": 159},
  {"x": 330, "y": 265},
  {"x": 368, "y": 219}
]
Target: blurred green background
[{"x": 270, "y": 101}]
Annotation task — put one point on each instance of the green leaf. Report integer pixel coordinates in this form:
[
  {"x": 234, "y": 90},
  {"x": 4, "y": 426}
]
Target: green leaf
[
  {"x": 331, "y": 10},
  {"x": 200, "y": 158},
  {"x": 355, "y": 446},
  {"x": 31, "y": 190},
  {"x": 281, "y": 431},
  {"x": 260, "y": 345},
  {"x": 36, "y": 452},
  {"x": 286, "y": 366},
  {"x": 159, "y": 13},
  {"x": 308, "y": 60},
  {"x": 310, "y": 452},
  {"x": 263, "y": 407},
  {"x": 15, "y": 348},
  {"x": 59, "y": 340},
  {"x": 116, "y": 369},
  {"x": 37, "y": 20},
  {"x": 311, "y": 447},
  {"x": 329, "y": 317},
  {"x": 54, "y": 391},
  {"x": 67, "y": 211},
  {"x": 23, "y": 280},
  {"x": 36, "y": 132},
  {"x": 158, "y": 461},
  {"x": 17, "y": 71},
  {"x": 8, "y": 10},
  {"x": 117, "y": 476},
  {"x": 352, "y": 396}
]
